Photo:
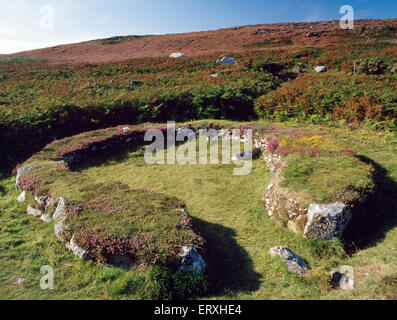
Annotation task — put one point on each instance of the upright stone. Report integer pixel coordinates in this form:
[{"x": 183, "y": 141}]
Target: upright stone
[
  {"x": 20, "y": 173},
  {"x": 327, "y": 222},
  {"x": 191, "y": 261}
]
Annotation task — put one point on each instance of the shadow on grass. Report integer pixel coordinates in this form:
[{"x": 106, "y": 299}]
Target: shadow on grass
[
  {"x": 104, "y": 158},
  {"x": 2, "y": 190},
  {"x": 378, "y": 215},
  {"x": 229, "y": 267}
]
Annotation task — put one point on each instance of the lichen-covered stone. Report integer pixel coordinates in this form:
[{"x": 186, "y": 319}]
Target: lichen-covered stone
[
  {"x": 327, "y": 222},
  {"x": 190, "y": 260},
  {"x": 294, "y": 262}
]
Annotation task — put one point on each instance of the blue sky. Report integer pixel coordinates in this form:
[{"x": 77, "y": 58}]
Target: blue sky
[{"x": 21, "y": 25}]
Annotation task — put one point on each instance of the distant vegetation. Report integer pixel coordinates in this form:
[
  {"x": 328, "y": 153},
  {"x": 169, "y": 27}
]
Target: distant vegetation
[
  {"x": 15, "y": 60},
  {"x": 40, "y": 102},
  {"x": 119, "y": 39}
]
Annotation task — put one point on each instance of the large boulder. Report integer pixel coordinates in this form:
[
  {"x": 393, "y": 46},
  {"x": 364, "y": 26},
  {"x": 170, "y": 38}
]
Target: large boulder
[
  {"x": 20, "y": 173},
  {"x": 178, "y": 55},
  {"x": 294, "y": 262},
  {"x": 224, "y": 60},
  {"x": 190, "y": 260},
  {"x": 327, "y": 222}
]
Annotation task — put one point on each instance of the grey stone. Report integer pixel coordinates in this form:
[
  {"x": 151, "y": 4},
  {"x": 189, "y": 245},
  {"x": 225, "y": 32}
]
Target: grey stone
[
  {"x": 22, "y": 197},
  {"x": 59, "y": 229},
  {"x": 178, "y": 55},
  {"x": 342, "y": 279},
  {"x": 313, "y": 34},
  {"x": 320, "y": 69},
  {"x": 185, "y": 133},
  {"x": 190, "y": 260},
  {"x": 46, "y": 218},
  {"x": 34, "y": 212},
  {"x": 19, "y": 282},
  {"x": 77, "y": 250},
  {"x": 45, "y": 201},
  {"x": 294, "y": 262},
  {"x": 60, "y": 211},
  {"x": 20, "y": 173},
  {"x": 224, "y": 60},
  {"x": 327, "y": 222}
]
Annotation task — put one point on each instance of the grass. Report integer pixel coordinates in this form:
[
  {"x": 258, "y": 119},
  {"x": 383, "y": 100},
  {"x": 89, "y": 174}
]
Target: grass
[
  {"x": 227, "y": 211},
  {"x": 328, "y": 179}
]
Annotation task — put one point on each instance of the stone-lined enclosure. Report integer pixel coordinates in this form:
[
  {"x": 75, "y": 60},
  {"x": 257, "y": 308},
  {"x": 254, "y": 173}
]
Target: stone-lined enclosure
[{"x": 318, "y": 221}]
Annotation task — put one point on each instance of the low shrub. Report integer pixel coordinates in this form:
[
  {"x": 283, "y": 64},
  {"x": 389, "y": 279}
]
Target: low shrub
[{"x": 369, "y": 66}]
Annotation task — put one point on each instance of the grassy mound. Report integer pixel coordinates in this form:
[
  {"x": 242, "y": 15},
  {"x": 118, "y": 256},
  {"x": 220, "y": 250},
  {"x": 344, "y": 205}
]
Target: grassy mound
[
  {"x": 313, "y": 168},
  {"x": 112, "y": 222},
  {"x": 321, "y": 168}
]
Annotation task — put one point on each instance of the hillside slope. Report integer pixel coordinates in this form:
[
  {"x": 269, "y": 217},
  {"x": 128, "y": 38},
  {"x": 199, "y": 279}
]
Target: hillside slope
[{"x": 237, "y": 39}]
